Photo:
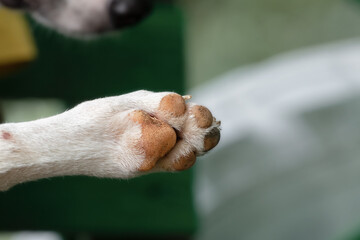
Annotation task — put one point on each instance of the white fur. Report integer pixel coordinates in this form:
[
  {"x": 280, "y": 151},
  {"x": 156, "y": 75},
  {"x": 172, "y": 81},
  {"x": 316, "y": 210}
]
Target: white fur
[
  {"x": 75, "y": 17},
  {"x": 96, "y": 138}
]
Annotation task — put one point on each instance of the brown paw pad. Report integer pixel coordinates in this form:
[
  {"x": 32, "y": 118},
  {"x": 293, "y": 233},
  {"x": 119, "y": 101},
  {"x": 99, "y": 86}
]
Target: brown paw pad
[
  {"x": 185, "y": 162},
  {"x": 211, "y": 139},
  {"x": 157, "y": 138},
  {"x": 203, "y": 116},
  {"x": 173, "y": 104}
]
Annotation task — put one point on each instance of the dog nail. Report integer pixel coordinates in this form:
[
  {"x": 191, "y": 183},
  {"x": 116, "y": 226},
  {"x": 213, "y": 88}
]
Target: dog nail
[{"x": 187, "y": 97}]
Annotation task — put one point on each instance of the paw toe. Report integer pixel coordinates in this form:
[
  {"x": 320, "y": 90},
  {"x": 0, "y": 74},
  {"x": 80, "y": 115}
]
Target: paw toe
[
  {"x": 173, "y": 104},
  {"x": 184, "y": 162},
  {"x": 175, "y": 163},
  {"x": 211, "y": 139},
  {"x": 203, "y": 116}
]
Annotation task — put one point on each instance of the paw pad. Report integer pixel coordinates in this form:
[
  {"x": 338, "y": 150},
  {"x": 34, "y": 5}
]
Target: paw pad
[
  {"x": 157, "y": 138},
  {"x": 173, "y": 104},
  {"x": 211, "y": 139},
  {"x": 203, "y": 116},
  {"x": 175, "y": 133},
  {"x": 184, "y": 162}
]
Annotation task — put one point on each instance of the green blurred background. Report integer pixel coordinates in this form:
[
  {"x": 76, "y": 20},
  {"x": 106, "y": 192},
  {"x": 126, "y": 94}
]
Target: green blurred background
[{"x": 150, "y": 57}]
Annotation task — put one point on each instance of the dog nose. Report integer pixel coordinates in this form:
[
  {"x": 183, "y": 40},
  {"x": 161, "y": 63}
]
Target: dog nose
[
  {"x": 126, "y": 13},
  {"x": 13, "y": 3}
]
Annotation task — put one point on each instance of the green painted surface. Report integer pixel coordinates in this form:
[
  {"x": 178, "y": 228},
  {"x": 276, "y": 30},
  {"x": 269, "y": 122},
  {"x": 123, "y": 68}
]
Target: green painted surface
[{"x": 147, "y": 57}]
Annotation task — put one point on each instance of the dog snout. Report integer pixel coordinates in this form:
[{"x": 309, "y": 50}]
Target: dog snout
[{"x": 126, "y": 13}]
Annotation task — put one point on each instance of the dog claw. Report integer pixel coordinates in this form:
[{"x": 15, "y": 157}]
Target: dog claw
[
  {"x": 187, "y": 97},
  {"x": 218, "y": 123}
]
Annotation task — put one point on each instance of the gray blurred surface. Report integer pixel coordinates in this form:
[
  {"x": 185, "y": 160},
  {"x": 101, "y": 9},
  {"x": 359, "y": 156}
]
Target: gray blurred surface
[
  {"x": 289, "y": 160},
  {"x": 222, "y": 35}
]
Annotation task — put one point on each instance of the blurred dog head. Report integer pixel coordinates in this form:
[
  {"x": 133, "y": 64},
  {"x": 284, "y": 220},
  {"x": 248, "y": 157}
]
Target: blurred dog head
[{"x": 84, "y": 17}]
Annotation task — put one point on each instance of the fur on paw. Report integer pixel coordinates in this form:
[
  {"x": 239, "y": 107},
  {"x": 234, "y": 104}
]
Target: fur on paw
[{"x": 173, "y": 132}]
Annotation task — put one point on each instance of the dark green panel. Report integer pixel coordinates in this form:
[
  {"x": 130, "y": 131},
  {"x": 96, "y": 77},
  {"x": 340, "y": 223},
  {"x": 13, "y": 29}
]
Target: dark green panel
[
  {"x": 147, "y": 57},
  {"x": 157, "y": 204}
]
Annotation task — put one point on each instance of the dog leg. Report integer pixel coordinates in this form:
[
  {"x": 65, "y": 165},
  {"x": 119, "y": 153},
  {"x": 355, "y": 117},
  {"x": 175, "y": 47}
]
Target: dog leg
[{"x": 117, "y": 137}]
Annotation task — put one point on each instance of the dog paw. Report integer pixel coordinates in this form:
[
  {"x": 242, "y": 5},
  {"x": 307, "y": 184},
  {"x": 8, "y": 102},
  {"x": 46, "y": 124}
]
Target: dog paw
[
  {"x": 138, "y": 133},
  {"x": 173, "y": 132}
]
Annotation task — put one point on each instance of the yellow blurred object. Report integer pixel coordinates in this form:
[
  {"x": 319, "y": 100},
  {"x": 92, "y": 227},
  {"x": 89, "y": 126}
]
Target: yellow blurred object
[{"x": 16, "y": 43}]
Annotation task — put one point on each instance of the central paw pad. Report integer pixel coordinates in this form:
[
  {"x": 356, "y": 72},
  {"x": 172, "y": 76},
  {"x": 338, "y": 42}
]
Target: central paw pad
[{"x": 157, "y": 139}]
